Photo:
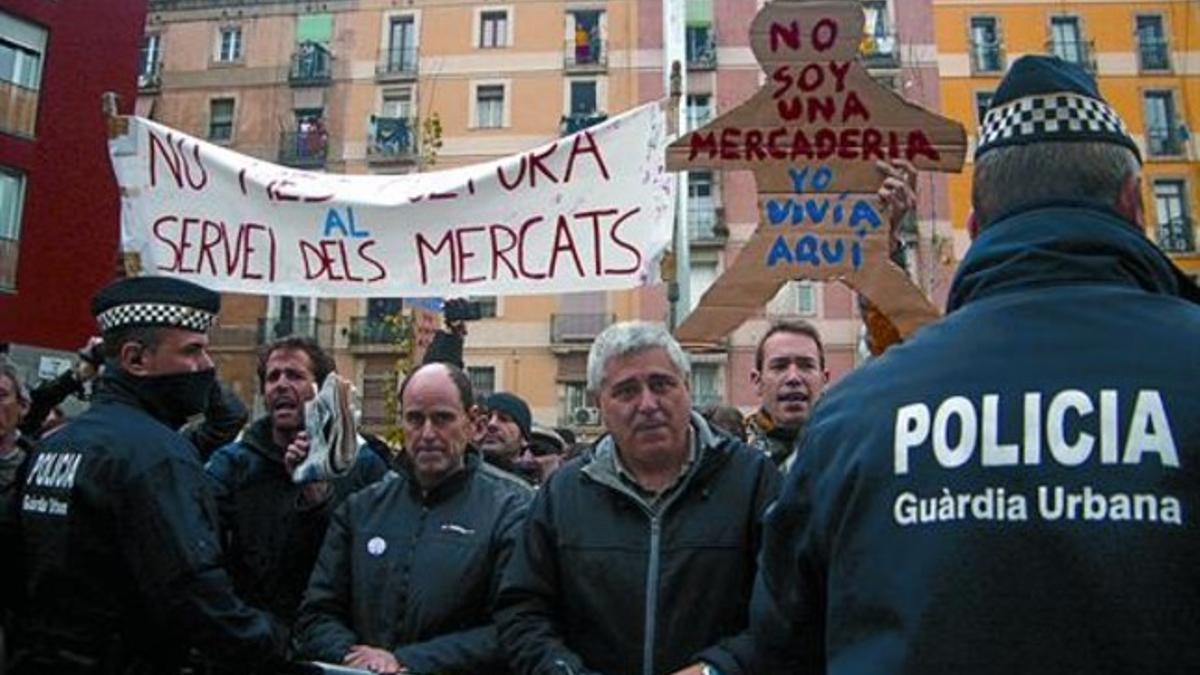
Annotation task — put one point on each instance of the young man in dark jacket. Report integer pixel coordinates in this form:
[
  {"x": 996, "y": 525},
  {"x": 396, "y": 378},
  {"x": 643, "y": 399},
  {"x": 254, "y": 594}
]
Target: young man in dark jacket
[
  {"x": 409, "y": 569},
  {"x": 273, "y": 527},
  {"x": 1017, "y": 488},
  {"x": 638, "y": 558}
]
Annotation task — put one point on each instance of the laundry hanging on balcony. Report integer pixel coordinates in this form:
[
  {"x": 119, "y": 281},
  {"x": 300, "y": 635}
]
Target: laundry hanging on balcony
[{"x": 585, "y": 212}]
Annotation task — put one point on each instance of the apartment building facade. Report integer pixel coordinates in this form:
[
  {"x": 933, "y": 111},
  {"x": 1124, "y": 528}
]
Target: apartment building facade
[
  {"x": 59, "y": 207},
  {"x": 373, "y": 86},
  {"x": 1145, "y": 57}
]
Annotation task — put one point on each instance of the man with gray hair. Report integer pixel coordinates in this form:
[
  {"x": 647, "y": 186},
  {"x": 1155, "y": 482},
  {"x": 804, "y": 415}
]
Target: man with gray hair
[
  {"x": 638, "y": 556},
  {"x": 1016, "y": 488}
]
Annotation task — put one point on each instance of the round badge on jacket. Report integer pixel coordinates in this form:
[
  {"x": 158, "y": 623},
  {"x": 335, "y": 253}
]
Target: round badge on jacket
[{"x": 376, "y": 546}]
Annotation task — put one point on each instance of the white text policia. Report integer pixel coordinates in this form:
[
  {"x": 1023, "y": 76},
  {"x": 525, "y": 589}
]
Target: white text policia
[{"x": 1075, "y": 427}]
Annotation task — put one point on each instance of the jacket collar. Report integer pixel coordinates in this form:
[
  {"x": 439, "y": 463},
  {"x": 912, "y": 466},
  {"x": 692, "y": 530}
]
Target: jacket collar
[
  {"x": 1061, "y": 244},
  {"x": 711, "y": 451},
  {"x": 448, "y": 487},
  {"x": 261, "y": 441}
]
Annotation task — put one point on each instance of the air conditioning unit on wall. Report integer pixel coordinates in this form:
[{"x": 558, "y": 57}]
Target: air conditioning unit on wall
[{"x": 586, "y": 417}]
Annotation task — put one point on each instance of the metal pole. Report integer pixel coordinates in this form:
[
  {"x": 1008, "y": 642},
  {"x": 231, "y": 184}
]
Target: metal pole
[{"x": 675, "y": 82}]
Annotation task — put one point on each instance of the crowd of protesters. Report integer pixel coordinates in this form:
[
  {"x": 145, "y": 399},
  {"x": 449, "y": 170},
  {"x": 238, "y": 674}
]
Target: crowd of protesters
[{"x": 1014, "y": 489}]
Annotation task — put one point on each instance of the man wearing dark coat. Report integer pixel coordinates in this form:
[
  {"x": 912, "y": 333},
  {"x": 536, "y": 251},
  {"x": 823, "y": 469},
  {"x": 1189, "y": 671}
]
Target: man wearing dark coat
[
  {"x": 1016, "y": 489},
  {"x": 409, "y": 570},
  {"x": 272, "y": 526},
  {"x": 638, "y": 558},
  {"x": 120, "y": 527}
]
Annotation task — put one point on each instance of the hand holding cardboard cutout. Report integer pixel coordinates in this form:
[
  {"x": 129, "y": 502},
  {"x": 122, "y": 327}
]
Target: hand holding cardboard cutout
[{"x": 812, "y": 137}]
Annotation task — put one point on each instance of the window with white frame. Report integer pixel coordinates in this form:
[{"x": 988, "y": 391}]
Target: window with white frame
[
  {"x": 12, "y": 198},
  {"x": 795, "y": 298},
  {"x": 150, "y": 55},
  {"x": 1175, "y": 234},
  {"x": 574, "y": 396},
  {"x": 22, "y": 45},
  {"x": 397, "y": 103},
  {"x": 703, "y": 274},
  {"x": 699, "y": 110},
  {"x": 220, "y": 119},
  {"x": 493, "y": 29},
  {"x": 1066, "y": 42},
  {"x": 583, "y": 98},
  {"x": 706, "y": 384},
  {"x": 483, "y": 380},
  {"x": 702, "y": 206},
  {"x": 1162, "y": 127},
  {"x": 229, "y": 44},
  {"x": 489, "y": 106}
]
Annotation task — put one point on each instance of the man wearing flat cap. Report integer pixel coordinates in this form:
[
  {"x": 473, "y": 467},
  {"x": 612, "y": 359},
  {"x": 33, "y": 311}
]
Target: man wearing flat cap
[
  {"x": 122, "y": 555},
  {"x": 1016, "y": 489}
]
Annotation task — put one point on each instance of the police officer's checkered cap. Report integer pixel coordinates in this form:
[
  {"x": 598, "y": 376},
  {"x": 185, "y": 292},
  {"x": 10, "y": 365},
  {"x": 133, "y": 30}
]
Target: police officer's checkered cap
[
  {"x": 155, "y": 301},
  {"x": 1045, "y": 99}
]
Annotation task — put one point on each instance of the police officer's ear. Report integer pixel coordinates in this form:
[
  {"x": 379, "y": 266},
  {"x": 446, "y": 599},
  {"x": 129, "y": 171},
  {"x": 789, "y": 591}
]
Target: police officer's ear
[
  {"x": 133, "y": 358},
  {"x": 1129, "y": 201}
]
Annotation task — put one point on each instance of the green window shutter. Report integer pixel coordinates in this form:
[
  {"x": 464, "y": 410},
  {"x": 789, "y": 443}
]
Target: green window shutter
[
  {"x": 314, "y": 28},
  {"x": 699, "y": 12}
]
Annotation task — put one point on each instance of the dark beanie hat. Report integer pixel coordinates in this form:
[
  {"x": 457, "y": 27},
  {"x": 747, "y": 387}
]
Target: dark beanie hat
[
  {"x": 1043, "y": 99},
  {"x": 514, "y": 407},
  {"x": 155, "y": 301}
]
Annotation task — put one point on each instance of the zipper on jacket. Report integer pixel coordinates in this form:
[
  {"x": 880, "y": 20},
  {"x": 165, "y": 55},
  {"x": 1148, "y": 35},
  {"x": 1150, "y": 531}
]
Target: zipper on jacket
[{"x": 651, "y": 597}]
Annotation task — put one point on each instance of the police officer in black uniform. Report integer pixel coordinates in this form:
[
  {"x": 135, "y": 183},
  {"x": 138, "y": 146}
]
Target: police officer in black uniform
[{"x": 119, "y": 524}]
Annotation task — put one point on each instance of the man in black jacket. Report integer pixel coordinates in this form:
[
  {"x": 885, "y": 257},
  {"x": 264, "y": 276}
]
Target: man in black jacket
[
  {"x": 638, "y": 557},
  {"x": 1014, "y": 490},
  {"x": 408, "y": 573},
  {"x": 273, "y": 527},
  {"x": 122, "y": 554}
]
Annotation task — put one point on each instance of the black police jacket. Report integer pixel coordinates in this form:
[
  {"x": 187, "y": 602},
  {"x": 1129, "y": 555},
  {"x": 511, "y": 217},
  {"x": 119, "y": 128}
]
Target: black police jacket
[
  {"x": 1014, "y": 490},
  {"x": 122, "y": 555},
  {"x": 416, "y": 573},
  {"x": 599, "y": 584}
]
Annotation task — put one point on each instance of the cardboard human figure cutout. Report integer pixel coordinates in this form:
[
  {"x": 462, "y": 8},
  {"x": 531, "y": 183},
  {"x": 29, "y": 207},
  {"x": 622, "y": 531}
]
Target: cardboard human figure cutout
[{"x": 812, "y": 136}]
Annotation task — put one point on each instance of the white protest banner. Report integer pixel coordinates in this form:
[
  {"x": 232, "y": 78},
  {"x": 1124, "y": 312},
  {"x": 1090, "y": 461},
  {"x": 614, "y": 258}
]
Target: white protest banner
[{"x": 588, "y": 212}]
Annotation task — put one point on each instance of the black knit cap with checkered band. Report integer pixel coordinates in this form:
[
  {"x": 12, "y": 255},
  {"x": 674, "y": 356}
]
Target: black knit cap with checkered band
[
  {"x": 155, "y": 301},
  {"x": 1043, "y": 99}
]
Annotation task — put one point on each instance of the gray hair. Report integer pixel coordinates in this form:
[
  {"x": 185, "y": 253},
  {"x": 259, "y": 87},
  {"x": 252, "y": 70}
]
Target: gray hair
[
  {"x": 10, "y": 371},
  {"x": 629, "y": 337},
  {"x": 1011, "y": 177}
]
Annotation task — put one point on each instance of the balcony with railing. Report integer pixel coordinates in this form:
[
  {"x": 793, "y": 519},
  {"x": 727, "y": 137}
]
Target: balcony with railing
[
  {"x": 1165, "y": 141},
  {"x": 578, "y": 329},
  {"x": 1079, "y": 52},
  {"x": 150, "y": 78},
  {"x": 393, "y": 140},
  {"x": 1177, "y": 236},
  {"x": 702, "y": 50},
  {"x": 706, "y": 225},
  {"x": 274, "y": 328},
  {"x": 312, "y": 66},
  {"x": 379, "y": 331},
  {"x": 1154, "y": 54},
  {"x": 397, "y": 63},
  {"x": 579, "y": 121},
  {"x": 987, "y": 57},
  {"x": 304, "y": 149},
  {"x": 590, "y": 56},
  {"x": 9, "y": 252},
  {"x": 881, "y": 50},
  {"x": 18, "y": 108}
]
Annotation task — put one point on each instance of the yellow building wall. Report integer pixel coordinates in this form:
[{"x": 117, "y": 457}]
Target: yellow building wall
[{"x": 1024, "y": 27}]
